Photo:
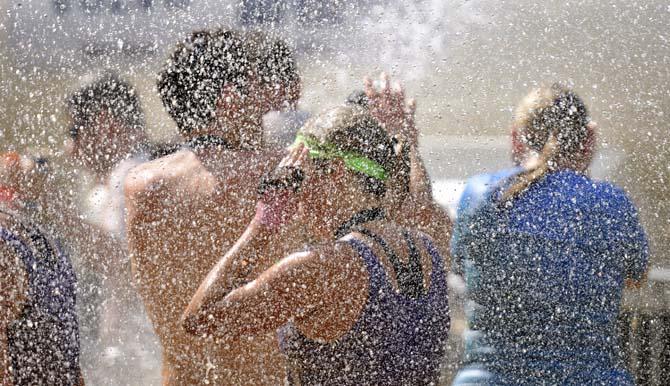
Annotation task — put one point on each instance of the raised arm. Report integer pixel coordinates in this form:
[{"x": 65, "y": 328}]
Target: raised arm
[
  {"x": 254, "y": 252},
  {"x": 255, "y": 287},
  {"x": 420, "y": 210}
]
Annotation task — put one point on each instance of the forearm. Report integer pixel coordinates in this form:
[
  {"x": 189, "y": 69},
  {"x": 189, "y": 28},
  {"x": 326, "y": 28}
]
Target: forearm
[
  {"x": 419, "y": 181},
  {"x": 421, "y": 211},
  {"x": 252, "y": 253}
]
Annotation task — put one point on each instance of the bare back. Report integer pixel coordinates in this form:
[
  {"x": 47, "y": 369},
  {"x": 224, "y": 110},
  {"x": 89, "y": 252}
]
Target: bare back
[{"x": 185, "y": 212}]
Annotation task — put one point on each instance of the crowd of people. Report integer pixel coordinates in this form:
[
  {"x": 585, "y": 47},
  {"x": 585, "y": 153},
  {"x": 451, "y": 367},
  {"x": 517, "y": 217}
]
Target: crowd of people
[{"x": 316, "y": 255}]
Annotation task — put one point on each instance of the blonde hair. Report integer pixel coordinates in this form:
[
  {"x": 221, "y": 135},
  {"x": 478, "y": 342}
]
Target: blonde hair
[{"x": 552, "y": 122}]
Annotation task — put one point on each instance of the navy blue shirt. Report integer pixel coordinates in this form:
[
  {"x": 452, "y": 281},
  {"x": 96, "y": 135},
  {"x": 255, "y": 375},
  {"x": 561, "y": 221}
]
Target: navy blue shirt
[
  {"x": 544, "y": 278},
  {"x": 476, "y": 190},
  {"x": 43, "y": 343}
]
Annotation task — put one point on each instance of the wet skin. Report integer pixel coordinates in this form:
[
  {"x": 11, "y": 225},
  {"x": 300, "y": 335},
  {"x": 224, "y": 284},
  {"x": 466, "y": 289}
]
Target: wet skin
[
  {"x": 185, "y": 211},
  {"x": 323, "y": 290}
]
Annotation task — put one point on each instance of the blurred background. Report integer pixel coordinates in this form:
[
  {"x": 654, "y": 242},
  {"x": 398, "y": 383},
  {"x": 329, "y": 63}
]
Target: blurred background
[{"x": 467, "y": 63}]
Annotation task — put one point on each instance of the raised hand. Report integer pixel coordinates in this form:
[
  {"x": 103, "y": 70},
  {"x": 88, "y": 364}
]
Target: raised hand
[
  {"x": 279, "y": 198},
  {"x": 389, "y": 107}
]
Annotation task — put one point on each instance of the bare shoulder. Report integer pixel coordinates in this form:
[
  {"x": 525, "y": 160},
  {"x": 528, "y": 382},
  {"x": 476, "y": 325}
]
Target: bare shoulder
[
  {"x": 151, "y": 174},
  {"x": 176, "y": 180}
]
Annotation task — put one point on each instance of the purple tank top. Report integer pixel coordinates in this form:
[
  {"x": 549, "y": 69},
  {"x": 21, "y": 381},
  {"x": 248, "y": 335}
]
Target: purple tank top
[
  {"x": 43, "y": 342},
  {"x": 397, "y": 340}
]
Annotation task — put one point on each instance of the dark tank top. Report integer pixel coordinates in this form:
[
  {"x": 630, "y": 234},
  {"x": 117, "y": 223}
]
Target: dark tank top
[
  {"x": 43, "y": 343},
  {"x": 397, "y": 340}
]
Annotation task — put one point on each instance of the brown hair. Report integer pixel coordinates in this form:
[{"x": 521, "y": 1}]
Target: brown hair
[
  {"x": 352, "y": 129},
  {"x": 196, "y": 72},
  {"x": 111, "y": 94},
  {"x": 552, "y": 121}
]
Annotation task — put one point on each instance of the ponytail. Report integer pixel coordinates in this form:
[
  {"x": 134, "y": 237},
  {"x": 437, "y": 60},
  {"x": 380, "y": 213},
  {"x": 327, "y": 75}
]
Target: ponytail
[
  {"x": 522, "y": 181},
  {"x": 553, "y": 122}
]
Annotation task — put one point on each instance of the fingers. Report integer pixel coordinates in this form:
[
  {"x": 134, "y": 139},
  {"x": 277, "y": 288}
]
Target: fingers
[
  {"x": 284, "y": 160},
  {"x": 293, "y": 154},
  {"x": 301, "y": 157},
  {"x": 411, "y": 107},
  {"x": 386, "y": 84},
  {"x": 400, "y": 90},
  {"x": 390, "y": 91},
  {"x": 368, "y": 87}
]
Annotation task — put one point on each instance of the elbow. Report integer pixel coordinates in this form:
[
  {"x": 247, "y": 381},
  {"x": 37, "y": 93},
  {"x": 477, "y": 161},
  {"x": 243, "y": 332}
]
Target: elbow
[
  {"x": 195, "y": 323},
  {"x": 188, "y": 321},
  {"x": 193, "y": 320}
]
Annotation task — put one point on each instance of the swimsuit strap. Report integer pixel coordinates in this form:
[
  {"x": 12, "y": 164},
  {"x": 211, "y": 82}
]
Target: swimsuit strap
[
  {"x": 359, "y": 218},
  {"x": 408, "y": 275},
  {"x": 39, "y": 242}
]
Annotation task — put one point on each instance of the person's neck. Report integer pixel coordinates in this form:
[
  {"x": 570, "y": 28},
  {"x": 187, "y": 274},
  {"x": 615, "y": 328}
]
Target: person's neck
[{"x": 241, "y": 132}]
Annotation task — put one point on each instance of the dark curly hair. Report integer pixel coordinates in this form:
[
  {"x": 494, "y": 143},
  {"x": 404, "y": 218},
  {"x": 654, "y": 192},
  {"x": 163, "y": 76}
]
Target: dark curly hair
[
  {"x": 276, "y": 63},
  {"x": 109, "y": 94},
  {"x": 196, "y": 73}
]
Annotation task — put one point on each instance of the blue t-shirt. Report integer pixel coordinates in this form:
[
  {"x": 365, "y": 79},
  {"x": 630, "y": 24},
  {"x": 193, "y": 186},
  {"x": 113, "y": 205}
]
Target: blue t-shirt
[
  {"x": 544, "y": 278},
  {"x": 475, "y": 191}
]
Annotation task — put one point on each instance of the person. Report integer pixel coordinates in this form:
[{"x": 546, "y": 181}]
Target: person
[
  {"x": 39, "y": 332},
  {"x": 546, "y": 255},
  {"x": 108, "y": 138},
  {"x": 366, "y": 301},
  {"x": 418, "y": 209},
  {"x": 277, "y": 67},
  {"x": 187, "y": 208},
  {"x": 279, "y": 85}
]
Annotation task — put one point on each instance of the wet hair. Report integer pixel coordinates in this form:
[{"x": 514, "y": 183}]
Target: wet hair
[
  {"x": 351, "y": 128},
  {"x": 196, "y": 73},
  {"x": 552, "y": 121},
  {"x": 275, "y": 62},
  {"x": 358, "y": 98},
  {"x": 111, "y": 95}
]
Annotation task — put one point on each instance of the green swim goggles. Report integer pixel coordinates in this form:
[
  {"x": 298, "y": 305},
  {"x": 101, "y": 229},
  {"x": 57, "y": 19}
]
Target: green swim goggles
[{"x": 352, "y": 160}]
